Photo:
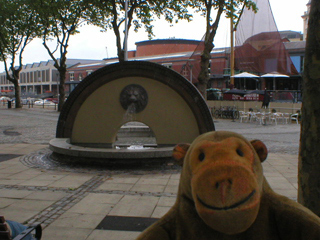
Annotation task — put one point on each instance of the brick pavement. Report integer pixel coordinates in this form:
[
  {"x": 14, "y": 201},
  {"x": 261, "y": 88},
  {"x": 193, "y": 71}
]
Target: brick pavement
[{"x": 71, "y": 203}]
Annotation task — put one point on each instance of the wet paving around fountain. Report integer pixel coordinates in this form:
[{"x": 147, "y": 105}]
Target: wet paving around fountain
[{"x": 43, "y": 159}]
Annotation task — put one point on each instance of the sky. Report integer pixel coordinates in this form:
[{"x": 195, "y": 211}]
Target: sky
[{"x": 91, "y": 43}]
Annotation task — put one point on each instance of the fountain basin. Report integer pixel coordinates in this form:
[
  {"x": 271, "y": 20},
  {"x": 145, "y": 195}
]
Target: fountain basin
[{"x": 62, "y": 149}]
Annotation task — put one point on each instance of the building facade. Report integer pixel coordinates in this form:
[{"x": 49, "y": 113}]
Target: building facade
[
  {"x": 37, "y": 78},
  {"x": 181, "y": 55}
]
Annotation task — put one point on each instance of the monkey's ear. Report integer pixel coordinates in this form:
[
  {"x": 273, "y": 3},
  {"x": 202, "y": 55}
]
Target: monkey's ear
[
  {"x": 260, "y": 148},
  {"x": 179, "y": 152}
]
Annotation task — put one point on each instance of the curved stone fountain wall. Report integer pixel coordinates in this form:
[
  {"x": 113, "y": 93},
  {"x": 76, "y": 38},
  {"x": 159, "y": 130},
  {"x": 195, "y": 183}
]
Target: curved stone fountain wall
[{"x": 94, "y": 112}]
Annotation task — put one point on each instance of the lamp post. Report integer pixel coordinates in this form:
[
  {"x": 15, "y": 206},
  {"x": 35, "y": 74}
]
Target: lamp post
[{"x": 126, "y": 32}]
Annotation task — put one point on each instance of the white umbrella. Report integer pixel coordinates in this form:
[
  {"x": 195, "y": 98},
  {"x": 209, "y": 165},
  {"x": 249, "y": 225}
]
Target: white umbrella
[
  {"x": 245, "y": 75},
  {"x": 274, "y": 75}
]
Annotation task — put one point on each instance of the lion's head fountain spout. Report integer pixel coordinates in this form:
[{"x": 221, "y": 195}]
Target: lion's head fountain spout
[{"x": 134, "y": 98}]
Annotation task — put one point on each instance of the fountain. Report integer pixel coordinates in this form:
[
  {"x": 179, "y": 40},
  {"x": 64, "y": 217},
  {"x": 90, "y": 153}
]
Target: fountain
[{"x": 102, "y": 105}]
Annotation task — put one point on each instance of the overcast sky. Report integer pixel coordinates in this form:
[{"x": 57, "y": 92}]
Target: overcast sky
[{"x": 90, "y": 43}]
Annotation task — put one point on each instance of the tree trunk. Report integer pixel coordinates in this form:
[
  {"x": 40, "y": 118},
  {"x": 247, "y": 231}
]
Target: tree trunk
[
  {"x": 309, "y": 156},
  {"x": 204, "y": 77},
  {"x": 17, "y": 94},
  {"x": 62, "y": 94}
]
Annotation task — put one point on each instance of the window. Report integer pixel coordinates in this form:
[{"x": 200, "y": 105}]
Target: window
[
  {"x": 71, "y": 76},
  {"x": 168, "y": 65},
  {"x": 89, "y": 72},
  {"x": 32, "y": 77},
  {"x": 185, "y": 71},
  {"x": 48, "y": 75},
  {"x": 296, "y": 60},
  {"x": 80, "y": 77},
  {"x": 39, "y": 76}
]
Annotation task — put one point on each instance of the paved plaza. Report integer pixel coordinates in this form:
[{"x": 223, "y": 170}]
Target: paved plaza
[{"x": 96, "y": 203}]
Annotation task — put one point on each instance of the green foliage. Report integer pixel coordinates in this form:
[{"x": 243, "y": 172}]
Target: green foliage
[
  {"x": 58, "y": 20},
  {"x": 111, "y": 15},
  {"x": 107, "y": 14},
  {"x": 18, "y": 28},
  {"x": 232, "y": 8}
]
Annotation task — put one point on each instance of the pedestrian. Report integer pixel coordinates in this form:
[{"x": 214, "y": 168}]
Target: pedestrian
[{"x": 266, "y": 99}]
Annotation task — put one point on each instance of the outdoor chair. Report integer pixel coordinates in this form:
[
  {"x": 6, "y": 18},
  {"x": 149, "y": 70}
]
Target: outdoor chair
[
  {"x": 280, "y": 117},
  {"x": 252, "y": 116},
  {"x": 243, "y": 116},
  {"x": 260, "y": 118},
  {"x": 267, "y": 117},
  {"x": 294, "y": 117},
  {"x": 274, "y": 118},
  {"x": 286, "y": 118}
]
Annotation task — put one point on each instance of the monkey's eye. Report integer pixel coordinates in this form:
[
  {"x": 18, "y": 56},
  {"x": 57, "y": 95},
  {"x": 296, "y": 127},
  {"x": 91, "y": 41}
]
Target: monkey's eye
[
  {"x": 201, "y": 156},
  {"x": 239, "y": 152}
]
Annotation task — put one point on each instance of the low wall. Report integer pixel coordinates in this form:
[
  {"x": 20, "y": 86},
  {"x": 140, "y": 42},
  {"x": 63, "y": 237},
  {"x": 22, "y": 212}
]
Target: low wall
[{"x": 285, "y": 107}]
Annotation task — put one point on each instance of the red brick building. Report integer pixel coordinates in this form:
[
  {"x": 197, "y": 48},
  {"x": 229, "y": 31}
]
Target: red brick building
[{"x": 183, "y": 56}]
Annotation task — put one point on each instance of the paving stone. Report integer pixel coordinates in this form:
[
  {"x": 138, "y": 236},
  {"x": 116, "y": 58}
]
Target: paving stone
[
  {"x": 160, "y": 212},
  {"x": 5, "y": 202},
  {"x": 54, "y": 233},
  {"x": 31, "y": 205},
  {"x": 171, "y": 189},
  {"x": 11, "y": 193},
  {"x": 138, "y": 206},
  {"x": 33, "y": 182},
  {"x": 152, "y": 188},
  {"x": 115, "y": 186},
  {"x": 153, "y": 181},
  {"x": 119, "y": 179},
  {"x": 91, "y": 208},
  {"x": 113, "y": 235},
  {"x": 78, "y": 220},
  {"x": 70, "y": 181},
  {"x": 166, "y": 201}
]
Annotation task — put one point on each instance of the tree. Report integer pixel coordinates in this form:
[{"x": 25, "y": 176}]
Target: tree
[
  {"x": 232, "y": 9},
  {"x": 58, "y": 20},
  {"x": 309, "y": 155},
  {"x": 111, "y": 15},
  {"x": 18, "y": 28}
]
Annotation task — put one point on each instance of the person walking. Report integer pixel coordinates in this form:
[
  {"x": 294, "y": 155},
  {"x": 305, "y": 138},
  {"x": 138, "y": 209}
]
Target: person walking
[{"x": 266, "y": 99}]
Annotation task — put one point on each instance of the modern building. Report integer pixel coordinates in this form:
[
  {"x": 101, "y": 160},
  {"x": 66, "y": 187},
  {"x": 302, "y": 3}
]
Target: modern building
[{"x": 38, "y": 78}]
